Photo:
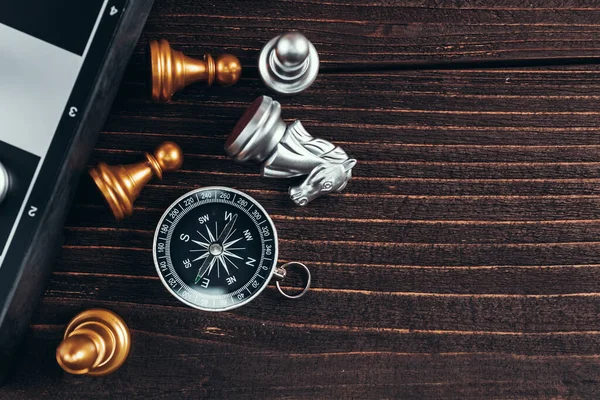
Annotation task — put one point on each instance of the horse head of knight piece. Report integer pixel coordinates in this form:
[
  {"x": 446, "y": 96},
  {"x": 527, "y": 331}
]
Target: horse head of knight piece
[
  {"x": 323, "y": 179},
  {"x": 289, "y": 151}
]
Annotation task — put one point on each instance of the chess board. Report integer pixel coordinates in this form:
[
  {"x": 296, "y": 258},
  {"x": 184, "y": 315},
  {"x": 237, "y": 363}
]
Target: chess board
[{"x": 60, "y": 66}]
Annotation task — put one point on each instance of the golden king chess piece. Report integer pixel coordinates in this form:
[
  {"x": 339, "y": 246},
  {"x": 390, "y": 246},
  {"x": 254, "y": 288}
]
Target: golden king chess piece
[
  {"x": 96, "y": 343},
  {"x": 171, "y": 70},
  {"x": 121, "y": 184}
]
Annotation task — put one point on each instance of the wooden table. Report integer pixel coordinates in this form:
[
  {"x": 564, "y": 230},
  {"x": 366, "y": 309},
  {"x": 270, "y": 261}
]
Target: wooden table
[{"x": 460, "y": 262}]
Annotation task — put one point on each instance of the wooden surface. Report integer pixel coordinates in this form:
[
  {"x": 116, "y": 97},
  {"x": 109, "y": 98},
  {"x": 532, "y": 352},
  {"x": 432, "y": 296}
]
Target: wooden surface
[{"x": 460, "y": 262}]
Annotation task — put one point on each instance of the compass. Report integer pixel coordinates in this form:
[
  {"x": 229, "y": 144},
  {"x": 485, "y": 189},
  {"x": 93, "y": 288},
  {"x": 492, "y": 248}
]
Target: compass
[{"x": 215, "y": 249}]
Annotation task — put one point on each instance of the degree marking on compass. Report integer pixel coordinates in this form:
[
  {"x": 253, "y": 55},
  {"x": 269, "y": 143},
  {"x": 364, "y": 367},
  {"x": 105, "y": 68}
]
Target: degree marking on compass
[
  {"x": 171, "y": 222},
  {"x": 232, "y": 200},
  {"x": 248, "y": 290},
  {"x": 182, "y": 209},
  {"x": 262, "y": 222}
]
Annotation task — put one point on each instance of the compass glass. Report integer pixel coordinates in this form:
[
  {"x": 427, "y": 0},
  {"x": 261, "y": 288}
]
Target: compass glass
[{"x": 215, "y": 248}]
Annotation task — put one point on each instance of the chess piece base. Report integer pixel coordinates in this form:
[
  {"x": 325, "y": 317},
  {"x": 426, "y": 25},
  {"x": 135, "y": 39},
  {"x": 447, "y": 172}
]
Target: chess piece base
[
  {"x": 108, "y": 183},
  {"x": 121, "y": 184},
  {"x": 257, "y": 133},
  {"x": 118, "y": 333}
]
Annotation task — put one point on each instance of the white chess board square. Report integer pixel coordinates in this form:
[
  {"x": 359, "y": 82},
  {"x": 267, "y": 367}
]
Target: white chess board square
[{"x": 36, "y": 79}]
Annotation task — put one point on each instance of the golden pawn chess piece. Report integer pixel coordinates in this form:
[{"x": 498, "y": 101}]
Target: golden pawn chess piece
[
  {"x": 96, "y": 343},
  {"x": 171, "y": 70},
  {"x": 121, "y": 184}
]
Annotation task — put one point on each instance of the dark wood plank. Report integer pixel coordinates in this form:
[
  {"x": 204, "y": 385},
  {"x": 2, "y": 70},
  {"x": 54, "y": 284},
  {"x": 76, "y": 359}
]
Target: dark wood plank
[
  {"x": 460, "y": 262},
  {"x": 462, "y": 374},
  {"x": 358, "y": 32}
]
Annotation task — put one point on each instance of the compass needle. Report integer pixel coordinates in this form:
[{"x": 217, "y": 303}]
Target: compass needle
[
  {"x": 210, "y": 267},
  {"x": 227, "y": 230},
  {"x": 230, "y": 235},
  {"x": 206, "y": 266}
]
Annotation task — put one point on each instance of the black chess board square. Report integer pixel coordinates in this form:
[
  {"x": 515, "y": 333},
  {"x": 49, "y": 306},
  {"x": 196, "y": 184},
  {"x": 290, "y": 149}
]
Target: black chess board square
[{"x": 63, "y": 23}]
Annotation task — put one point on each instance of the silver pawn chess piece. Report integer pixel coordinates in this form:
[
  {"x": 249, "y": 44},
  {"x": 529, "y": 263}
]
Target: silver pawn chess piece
[
  {"x": 289, "y": 63},
  {"x": 3, "y": 182},
  {"x": 261, "y": 136}
]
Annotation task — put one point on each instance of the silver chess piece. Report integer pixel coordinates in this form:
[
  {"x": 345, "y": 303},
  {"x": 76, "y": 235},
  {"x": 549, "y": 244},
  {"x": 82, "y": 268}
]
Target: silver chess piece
[
  {"x": 289, "y": 63},
  {"x": 3, "y": 182},
  {"x": 261, "y": 136}
]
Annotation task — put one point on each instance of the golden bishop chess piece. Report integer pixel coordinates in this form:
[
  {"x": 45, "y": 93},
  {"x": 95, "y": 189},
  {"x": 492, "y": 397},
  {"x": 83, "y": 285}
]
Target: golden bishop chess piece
[
  {"x": 171, "y": 70},
  {"x": 121, "y": 184},
  {"x": 96, "y": 343}
]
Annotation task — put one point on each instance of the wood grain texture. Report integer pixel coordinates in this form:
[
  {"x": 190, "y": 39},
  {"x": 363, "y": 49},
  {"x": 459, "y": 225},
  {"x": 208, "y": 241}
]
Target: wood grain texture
[{"x": 460, "y": 262}]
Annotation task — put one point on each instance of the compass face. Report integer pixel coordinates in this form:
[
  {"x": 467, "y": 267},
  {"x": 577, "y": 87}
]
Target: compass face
[{"x": 215, "y": 248}]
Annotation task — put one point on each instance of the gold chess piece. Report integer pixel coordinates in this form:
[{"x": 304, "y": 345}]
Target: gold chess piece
[
  {"x": 96, "y": 343},
  {"x": 171, "y": 70},
  {"x": 121, "y": 184}
]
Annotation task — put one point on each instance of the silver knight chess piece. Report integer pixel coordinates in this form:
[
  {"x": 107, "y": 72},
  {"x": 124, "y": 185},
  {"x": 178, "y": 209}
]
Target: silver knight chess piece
[
  {"x": 261, "y": 136},
  {"x": 289, "y": 63}
]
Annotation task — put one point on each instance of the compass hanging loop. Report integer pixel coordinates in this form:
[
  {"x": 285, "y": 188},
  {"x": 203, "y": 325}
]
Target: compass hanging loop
[{"x": 281, "y": 273}]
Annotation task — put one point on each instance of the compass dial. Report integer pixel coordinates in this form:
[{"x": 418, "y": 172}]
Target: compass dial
[{"x": 215, "y": 248}]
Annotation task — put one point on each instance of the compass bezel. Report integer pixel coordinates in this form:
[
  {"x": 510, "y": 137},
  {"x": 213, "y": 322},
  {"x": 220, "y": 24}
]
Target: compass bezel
[{"x": 274, "y": 256}]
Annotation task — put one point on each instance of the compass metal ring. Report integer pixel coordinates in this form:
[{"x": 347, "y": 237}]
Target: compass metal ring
[{"x": 306, "y": 287}]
